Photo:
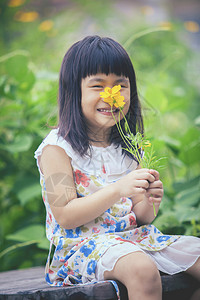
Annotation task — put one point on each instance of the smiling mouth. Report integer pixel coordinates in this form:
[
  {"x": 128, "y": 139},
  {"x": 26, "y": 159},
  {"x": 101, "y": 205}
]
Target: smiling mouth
[{"x": 108, "y": 110}]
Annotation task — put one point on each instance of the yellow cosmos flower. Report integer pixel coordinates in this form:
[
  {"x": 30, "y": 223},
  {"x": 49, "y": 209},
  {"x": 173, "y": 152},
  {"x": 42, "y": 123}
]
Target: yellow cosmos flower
[
  {"x": 147, "y": 10},
  {"x": 26, "y": 16},
  {"x": 147, "y": 144},
  {"x": 46, "y": 25},
  {"x": 166, "y": 25},
  {"x": 113, "y": 96},
  {"x": 15, "y": 3},
  {"x": 191, "y": 26}
]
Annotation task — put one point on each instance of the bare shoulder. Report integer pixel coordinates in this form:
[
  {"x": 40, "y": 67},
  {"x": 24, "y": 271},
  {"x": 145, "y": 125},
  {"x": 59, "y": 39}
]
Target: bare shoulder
[
  {"x": 54, "y": 159},
  {"x": 58, "y": 175}
]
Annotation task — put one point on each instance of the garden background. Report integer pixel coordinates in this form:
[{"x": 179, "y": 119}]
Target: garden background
[{"x": 162, "y": 38}]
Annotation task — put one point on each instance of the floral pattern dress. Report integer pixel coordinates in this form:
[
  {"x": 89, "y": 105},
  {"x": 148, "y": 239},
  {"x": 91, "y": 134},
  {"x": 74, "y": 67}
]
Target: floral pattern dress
[{"x": 80, "y": 252}]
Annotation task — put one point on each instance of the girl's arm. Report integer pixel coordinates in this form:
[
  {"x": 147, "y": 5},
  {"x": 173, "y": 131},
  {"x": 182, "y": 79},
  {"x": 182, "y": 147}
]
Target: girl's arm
[{"x": 71, "y": 211}]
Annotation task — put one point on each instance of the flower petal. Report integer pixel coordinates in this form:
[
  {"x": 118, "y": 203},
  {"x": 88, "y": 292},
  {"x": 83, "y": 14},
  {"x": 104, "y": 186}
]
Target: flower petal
[
  {"x": 119, "y": 101},
  {"x": 108, "y": 90},
  {"x": 109, "y": 101},
  {"x": 104, "y": 95},
  {"x": 116, "y": 89}
]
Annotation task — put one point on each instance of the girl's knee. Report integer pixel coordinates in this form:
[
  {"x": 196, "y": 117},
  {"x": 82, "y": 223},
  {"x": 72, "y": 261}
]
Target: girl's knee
[
  {"x": 144, "y": 269},
  {"x": 135, "y": 268}
]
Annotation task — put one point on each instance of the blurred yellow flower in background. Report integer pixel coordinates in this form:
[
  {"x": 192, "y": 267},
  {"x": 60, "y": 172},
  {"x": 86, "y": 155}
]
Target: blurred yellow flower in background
[
  {"x": 191, "y": 26},
  {"x": 46, "y": 25},
  {"x": 26, "y": 16},
  {"x": 147, "y": 10},
  {"x": 166, "y": 25},
  {"x": 15, "y": 3}
]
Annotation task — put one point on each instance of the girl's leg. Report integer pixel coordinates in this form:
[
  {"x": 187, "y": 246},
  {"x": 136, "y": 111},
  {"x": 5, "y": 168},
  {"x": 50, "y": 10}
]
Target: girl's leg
[
  {"x": 140, "y": 276},
  {"x": 196, "y": 295},
  {"x": 195, "y": 271}
]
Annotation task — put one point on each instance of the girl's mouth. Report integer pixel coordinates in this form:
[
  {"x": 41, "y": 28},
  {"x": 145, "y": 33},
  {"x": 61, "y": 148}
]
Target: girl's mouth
[{"x": 105, "y": 110}]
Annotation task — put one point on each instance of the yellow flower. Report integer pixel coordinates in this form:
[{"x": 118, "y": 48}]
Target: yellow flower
[
  {"x": 147, "y": 144},
  {"x": 147, "y": 10},
  {"x": 191, "y": 26},
  {"x": 166, "y": 25},
  {"x": 26, "y": 16},
  {"x": 46, "y": 25},
  {"x": 15, "y": 3},
  {"x": 113, "y": 96}
]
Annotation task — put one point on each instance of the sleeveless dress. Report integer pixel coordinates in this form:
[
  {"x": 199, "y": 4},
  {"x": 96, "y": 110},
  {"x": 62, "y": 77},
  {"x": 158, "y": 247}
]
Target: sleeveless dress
[{"x": 83, "y": 254}]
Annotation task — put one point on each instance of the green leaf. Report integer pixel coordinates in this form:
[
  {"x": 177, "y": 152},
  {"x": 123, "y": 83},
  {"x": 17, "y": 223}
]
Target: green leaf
[
  {"x": 171, "y": 143},
  {"x": 29, "y": 192},
  {"x": 155, "y": 95},
  {"x": 21, "y": 143},
  {"x": 190, "y": 147},
  {"x": 185, "y": 214},
  {"x": 179, "y": 186},
  {"x": 197, "y": 121},
  {"x": 187, "y": 198},
  {"x": 30, "y": 233},
  {"x": 17, "y": 67},
  {"x": 44, "y": 244},
  {"x": 166, "y": 221},
  {"x": 28, "y": 81}
]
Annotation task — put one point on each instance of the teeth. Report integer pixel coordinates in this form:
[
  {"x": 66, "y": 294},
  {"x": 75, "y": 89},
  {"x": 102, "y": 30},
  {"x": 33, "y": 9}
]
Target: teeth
[{"x": 107, "y": 110}]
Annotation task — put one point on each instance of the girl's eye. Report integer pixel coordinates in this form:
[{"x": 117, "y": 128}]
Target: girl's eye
[{"x": 97, "y": 86}]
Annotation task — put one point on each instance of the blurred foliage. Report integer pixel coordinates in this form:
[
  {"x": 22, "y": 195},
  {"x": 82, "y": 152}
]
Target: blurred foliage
[{"x": 169, "y": 92}]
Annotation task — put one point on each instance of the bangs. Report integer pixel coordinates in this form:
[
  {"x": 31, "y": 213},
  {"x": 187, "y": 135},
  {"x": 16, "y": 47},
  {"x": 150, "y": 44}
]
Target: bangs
[{"x": 104, "y": 57}]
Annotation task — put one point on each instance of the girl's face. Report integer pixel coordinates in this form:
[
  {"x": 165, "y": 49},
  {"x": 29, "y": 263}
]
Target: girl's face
[{"x": 96, "y": 112}]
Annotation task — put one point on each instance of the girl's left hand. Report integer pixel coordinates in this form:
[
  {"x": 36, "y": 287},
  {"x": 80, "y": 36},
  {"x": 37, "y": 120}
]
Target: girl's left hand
[{"x": 155, "y": 190}]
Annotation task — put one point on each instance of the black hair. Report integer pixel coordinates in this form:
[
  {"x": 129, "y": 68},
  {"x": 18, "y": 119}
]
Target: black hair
[{"x": 90, "y": 56}]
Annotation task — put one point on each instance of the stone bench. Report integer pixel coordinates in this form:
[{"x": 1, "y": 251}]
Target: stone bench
[{"x": 30, "y": 284}]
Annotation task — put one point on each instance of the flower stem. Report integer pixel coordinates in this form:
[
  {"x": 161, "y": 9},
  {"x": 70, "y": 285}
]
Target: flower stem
[
  {"x": 125, "y": 139},
  {"x": 154, "y": 209}
]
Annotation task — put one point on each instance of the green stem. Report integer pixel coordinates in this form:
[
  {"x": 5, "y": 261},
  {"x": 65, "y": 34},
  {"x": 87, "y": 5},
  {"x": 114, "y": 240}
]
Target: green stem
[
  {"x": 143, "y": 33},
  {"x": 136, "y": 152},
  {"x": 125, "y": 121},
  {"x": 121, "y": 131},
  {"x": 19, "y": 245},
  {"x": 154, "y": 210},
  {"x": 14, "y": 53},
  {"x": 132, "y": 148}
]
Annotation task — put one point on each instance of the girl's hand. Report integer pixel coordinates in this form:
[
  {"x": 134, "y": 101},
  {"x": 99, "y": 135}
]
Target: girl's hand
[
  {"x": 155, "y": 190},
  {"x": 136, "y": 182}
]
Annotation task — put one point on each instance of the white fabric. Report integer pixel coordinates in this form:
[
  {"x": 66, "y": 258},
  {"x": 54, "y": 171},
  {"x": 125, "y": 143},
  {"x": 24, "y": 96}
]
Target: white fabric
[
  {"x": 177, "y": 257},
  {"x": 109, "y": 155}
]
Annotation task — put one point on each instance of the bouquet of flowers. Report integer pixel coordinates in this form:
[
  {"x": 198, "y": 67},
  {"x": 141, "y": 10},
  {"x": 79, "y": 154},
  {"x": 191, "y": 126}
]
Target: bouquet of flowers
[{"x": 137, "y": 145}]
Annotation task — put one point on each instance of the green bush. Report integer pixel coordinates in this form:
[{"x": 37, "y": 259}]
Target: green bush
[{"x": 28, "y": 95}]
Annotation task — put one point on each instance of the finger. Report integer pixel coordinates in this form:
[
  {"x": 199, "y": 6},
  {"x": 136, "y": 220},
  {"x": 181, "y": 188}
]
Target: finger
[
  {"x": 155, "y": 174},
  {"x": 145, "y": 176},
  {"x": 156, "y": 184},
  {"x": 138, "y": 190},
  {"x": 156, "y": 193},
  {"x": 142, "y": 184},
  {"x": 155, "y": 200}
]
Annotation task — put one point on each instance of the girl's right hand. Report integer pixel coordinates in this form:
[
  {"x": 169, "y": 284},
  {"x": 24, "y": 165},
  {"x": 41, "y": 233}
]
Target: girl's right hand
[{"x": 135, "y": 183}]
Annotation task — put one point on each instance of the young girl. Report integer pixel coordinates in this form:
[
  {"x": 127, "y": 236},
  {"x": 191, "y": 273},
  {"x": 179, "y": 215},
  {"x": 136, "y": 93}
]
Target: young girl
[{"x": 98, "y": 199}]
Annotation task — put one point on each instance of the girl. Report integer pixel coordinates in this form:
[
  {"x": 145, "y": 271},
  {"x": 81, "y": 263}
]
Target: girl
[{"x": 98, "y": 199}]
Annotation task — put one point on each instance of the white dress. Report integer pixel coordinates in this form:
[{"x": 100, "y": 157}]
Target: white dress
[{"x": 84, "y": 253}]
